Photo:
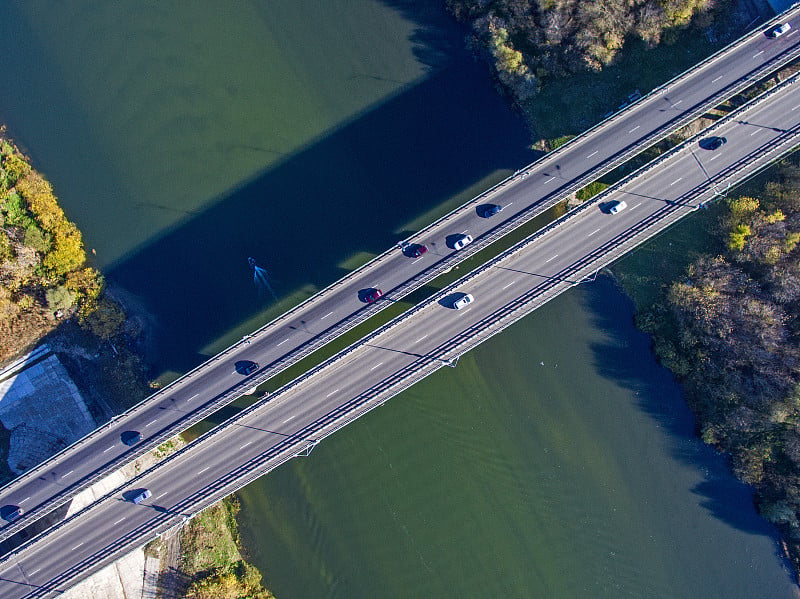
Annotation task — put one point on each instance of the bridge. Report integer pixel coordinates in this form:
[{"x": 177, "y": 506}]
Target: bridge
[{"x": 419, "y": 341}]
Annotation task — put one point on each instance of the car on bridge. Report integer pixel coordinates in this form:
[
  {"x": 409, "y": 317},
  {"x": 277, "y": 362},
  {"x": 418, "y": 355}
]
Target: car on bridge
[
  {"x": 246, "y": 367},
  {"x": 712, "y": 143},
  {"x": 616, "y": 206},
  {"x": 779, "y": 30},
  {"x": 494, "y": 209},
  {"x": 9, "y": 513},
  {"x": 415, "y": 250},
  {"x": 489, "y": 210},
  {"x": 141, "y": 496},
  {"x": 373, "y": 296},
  {"x": 463, "y": 301},
  {"x": 462, "y": 241},
  {"x": 131, "y": 437}
]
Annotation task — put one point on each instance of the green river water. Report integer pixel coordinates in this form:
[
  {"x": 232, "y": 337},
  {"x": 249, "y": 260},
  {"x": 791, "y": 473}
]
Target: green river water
[{"x": 557, "y": 460}]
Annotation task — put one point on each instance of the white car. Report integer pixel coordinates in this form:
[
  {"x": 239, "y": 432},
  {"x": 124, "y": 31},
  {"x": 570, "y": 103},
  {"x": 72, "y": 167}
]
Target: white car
[
  {"x": 616, "y": 206},
  {"x": 779, "y": 30},
  {"x": 463, "y": 302},
  {"x": 463, "y": 241}
]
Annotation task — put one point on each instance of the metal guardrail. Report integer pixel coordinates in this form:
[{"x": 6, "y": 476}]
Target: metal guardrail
[
  {"x": 489, "y": 326},
  {"x": 416, "y": 282}
]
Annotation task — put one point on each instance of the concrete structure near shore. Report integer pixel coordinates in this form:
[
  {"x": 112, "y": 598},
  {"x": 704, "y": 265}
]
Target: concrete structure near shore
[
  {"x": 42, "y": 409},
  {"x": 134, "y": 576}
]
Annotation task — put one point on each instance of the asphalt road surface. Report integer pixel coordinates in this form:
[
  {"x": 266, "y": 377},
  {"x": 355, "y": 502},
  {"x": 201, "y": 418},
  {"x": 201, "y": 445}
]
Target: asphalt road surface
[
  {"x": 335, "y": 393},
  {"x": 282, "y": 342}
]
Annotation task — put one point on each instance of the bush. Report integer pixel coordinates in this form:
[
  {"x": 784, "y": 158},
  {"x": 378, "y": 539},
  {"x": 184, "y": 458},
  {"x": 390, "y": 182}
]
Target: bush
[
  {"x": 106, "y": 320},
  {"x": 37, "y": 239},
  {"x": 738, "y": 237},
  {"x": 14, "y": 209},
  {"x": 59, "y": 298}
]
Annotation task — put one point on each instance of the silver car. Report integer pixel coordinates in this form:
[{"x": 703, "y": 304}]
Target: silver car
[
  {"x": 463, "y": 241},
  {"x": 779, "y": 30},
  {"x": 463, "y": 302},
  {"x": 616, "y": 206}
]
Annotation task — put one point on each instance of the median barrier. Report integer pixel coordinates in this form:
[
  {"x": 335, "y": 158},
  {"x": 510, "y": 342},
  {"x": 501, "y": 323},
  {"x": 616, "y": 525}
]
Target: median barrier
[{"x": 503, "y": 229}]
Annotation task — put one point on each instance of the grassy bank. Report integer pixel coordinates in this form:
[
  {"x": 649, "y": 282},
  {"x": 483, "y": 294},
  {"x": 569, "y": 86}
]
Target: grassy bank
[{"x": 212, "y": 562}]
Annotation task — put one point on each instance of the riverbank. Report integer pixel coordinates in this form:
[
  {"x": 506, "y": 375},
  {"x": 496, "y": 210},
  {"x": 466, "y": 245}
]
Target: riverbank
[
  {"x": 50, "y": 294},
  {"x": 724, "y": 318},
  {"x": 566, "y": 65},
  {"x": 204, "y": 559},
  {"x": 719, "y": 293}
]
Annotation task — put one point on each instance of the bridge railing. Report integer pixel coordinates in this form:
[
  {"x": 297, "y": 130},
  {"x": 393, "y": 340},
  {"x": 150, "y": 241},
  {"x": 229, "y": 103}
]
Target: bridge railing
[
  {"x": 399, "y": 292},
  {"x": 302, "y": 441}
]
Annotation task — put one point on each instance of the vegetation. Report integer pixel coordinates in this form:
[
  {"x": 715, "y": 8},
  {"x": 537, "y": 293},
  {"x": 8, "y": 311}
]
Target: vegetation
[
  {"x": 210, "y": 543},
  {"x": 729, "y": 328},
  {"x": 43, "y": 272},
  {"x": 530, "y": 40},
  {"x": 591, "y": 190}
]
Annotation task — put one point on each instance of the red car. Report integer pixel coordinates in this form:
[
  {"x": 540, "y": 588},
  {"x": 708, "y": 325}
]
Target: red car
[
  {"x": 373, "y": 296},
  {"x": 417, "y": 250}
]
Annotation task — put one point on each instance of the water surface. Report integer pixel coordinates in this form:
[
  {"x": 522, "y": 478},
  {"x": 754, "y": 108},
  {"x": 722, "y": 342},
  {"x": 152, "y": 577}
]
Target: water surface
[
  {"x": 184, "y": 138},
  {"x": 557, "y": 460}
]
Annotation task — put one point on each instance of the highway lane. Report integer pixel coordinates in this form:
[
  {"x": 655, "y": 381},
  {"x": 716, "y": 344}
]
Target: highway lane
[
  {"x": 305, "y": 411},
  {"x": 285, "y": 340}
]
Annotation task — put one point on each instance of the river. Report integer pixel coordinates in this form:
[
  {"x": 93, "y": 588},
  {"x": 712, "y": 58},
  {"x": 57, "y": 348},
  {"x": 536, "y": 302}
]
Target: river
[{"x": 557, "y": 460}]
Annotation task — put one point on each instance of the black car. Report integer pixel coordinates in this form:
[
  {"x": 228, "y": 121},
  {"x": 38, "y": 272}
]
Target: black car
[
  {"x": 712, "y": 143},
  {"x": 246, "y": 366},
  {"x": 488, "y": 210},
  {"x": 9, "y": 513},
  {"x": 492, "y": 210},
  {"x": 131, "y": 437}
]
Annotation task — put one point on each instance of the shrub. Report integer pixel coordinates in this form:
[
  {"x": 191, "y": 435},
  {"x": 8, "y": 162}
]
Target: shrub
[
  {"x": 106, "y": 320},
  {"x": 59, "y": 298},
  {"x": 37, "y": 239},
  {"x": 738, "y": 237}
]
